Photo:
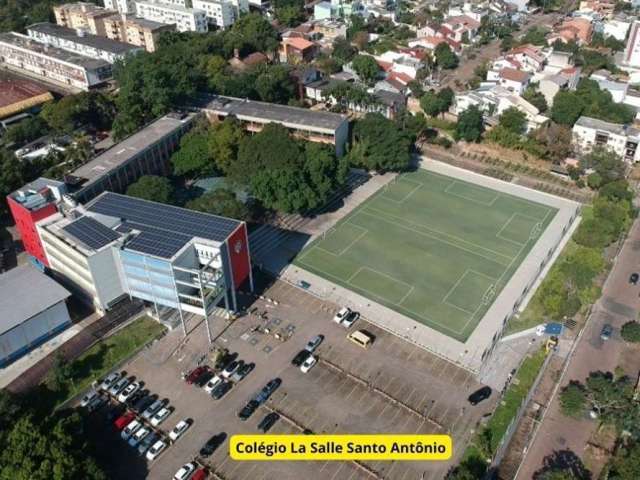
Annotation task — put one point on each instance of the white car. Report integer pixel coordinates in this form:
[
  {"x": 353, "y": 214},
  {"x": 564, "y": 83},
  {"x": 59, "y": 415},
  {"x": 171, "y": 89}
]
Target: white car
[
  {"x": 155, "y": 450},
  {"x": 160, "y": 416},
  {"x": 308, "y": 364},
  {"x": 231, "y": 368},
  {"x": 540, "y": 329},
  {"x": 213, "y": 383},
  {"x": 127, "y": 392},
  {"x": 130, "y": 429},
  {"x": 181, "y": 427},
  {"x": 88, "y": 397},
  {"x": 153, "y": 409},
  {"x": 343, "y": 313},
  {"x": 117, "y": 387},
  {"x": 185, "y": 471},
  {"x": 137, "y": 437},
  {"x": 109, "y": 380},
  {"x": 350, "y": 319}
]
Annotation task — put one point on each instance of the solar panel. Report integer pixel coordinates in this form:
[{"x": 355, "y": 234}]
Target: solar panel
[
  {"x": 92, "y": 233},
  {"x": 164, "y": 217},
  {"x": 156, "y": 242}
]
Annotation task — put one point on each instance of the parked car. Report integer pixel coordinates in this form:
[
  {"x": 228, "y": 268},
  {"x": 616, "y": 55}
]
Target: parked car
[
  {"x": 300, "y": 357},
  {"x": 96, "y": 402},
  {"x": 117, "y": 387},
  {"x": 633, "y": 279},
  {"x": 248, "y": 410},
  {"x": 185, "y": 472},
  {"x": 109, "y": 380},
  {"x": 146, "y": 443},
  {"x": 152, "y": 409},
  {"x": 200, "y": 474},
  {"x": 212, "y": 444},
  {"x": 130, "y": 429},
  {"x": 267, "y": 390},
  {"x": 308, "y": 364},
  {"x": 213, "y": 383},
  {"x": 243, "y": 371},
  {"x": 225, "y": 359},
  {"x": 129, "y": 391},
  {"x": 231, "y": 368},
  {"x": 181, "y": 427},
  {"x": 160, "y": 416},
  {"x": 124, "y": 420},
  {"x": 479, "y": 395},
  {"x": 343, "y": 313},
  {"x": 156, "y": 449},
  {"x": 137, "y": 437},
  {"x": 220, "y": 391},
  {"x": 143, "y": 403},
  {"x": 606, "y": 332},
  {"x": 88, "y": 397},
  {"x": 350, "y": 319},
  {"x": 196, "y": 373},
  {"x": 314, "y": 343},
  {"x": 268, "y": 421},
  {"x": 137, "y": 395}
]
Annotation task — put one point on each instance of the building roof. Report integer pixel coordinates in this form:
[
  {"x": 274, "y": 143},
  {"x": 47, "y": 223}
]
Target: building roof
[
  {"x": 36, "y": 194},
  {"x": 128, "y": 148},
  {"x": 616, "y": 128},
  {"x": 22, "y": 41},
  {"x": 145, "y": 23},
  {"x": 86, "y": 39},
  {"x": 17, "y": 95},
  {"x": 298, "y": 42},
  {"x": 164, "y": 229},
  {"x": 24, "y": 293},
  {"x": 264, "y": 112},
  {"x": 514, "y": 75}
]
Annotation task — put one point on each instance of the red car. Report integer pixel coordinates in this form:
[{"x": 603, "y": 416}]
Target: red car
[
  {"x": 195, "y": 374},
  {"x": 124, "y": 420},
  {"x": 200, "y": 474}
]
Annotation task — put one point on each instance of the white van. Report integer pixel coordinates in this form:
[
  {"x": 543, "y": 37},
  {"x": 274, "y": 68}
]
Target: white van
[{"x": 361, "y": 338}]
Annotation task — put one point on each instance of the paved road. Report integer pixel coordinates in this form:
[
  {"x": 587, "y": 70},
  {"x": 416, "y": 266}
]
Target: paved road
[{"x": 619, "y": 303}]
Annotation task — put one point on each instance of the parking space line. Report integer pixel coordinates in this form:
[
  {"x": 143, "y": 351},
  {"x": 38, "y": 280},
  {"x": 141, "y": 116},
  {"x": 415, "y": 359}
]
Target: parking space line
[
  {"x": 338, "y": 470},
  {"x": 355, "y": 386},
  {"x": 253, "y": 467}
]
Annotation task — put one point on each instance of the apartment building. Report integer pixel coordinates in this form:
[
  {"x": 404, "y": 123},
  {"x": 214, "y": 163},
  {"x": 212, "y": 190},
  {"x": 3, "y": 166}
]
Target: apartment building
[
  {"x": 67, "y": 69},
  {"x": 77, "y": 41},
  {"x": 622, "y": 139},
  {"x": 121, "y": 6},
  {"x": 82, "y": 16},
  {"x": 185, "y": 19},
  {"x": 136, "y": 31},
  {"x": 222, "y": 13}
]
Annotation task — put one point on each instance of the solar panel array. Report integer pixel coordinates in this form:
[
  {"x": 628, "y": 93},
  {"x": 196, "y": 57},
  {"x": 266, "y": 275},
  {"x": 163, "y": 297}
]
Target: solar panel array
[
  {"x": 165, "y": 229},
  {"x": 92, "y": 233}
]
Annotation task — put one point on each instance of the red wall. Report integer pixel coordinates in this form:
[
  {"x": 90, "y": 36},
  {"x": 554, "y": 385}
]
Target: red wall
[
  {"x": 240, "y": 261},
  {"x": 26, "y": 226}
]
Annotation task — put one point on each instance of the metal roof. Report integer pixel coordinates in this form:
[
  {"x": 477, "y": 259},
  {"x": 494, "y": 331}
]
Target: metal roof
[
  {"x": 165, "y": 229},
  {"x": 24, "y": 293}
]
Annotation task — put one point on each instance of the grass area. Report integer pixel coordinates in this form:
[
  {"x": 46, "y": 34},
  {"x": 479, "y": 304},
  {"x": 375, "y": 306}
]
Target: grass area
[
  {"x": 101, "y": 358},
  {"x": 431, "y": 247}
]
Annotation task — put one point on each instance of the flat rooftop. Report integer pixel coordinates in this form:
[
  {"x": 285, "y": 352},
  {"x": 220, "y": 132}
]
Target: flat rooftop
[
  {"x": 615, "y": 128},
  {"x": 24, "y": 293},
  {"x": 18, "y": 95},
  {"x": 93, "y": 41},
  {"x": 23, "y": 41},
  {"x": 264, "y": 112},
  {"x": 128, "y": 148}
]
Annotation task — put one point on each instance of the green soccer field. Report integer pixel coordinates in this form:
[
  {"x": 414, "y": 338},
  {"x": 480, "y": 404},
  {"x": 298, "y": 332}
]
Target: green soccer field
[{"x": 432, "y": 247}]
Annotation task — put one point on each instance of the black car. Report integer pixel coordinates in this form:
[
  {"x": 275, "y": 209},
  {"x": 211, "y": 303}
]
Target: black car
[
  {"x": 268, "y": 421},
  {"x": 479, "y": 395},
  {"x": 203, "y": 378},
  {"x": 267, "y": 390},
  {"x": 243, "y": 371},
  {"x": 633, "y": 279},
  {"x": 248, "y": 410},
  {"x": 133, "y": 399},
  {"x": 142, "y": 404},
  {"x": 221, "y": 389},
  {"x": 212, "y": 444},
  {"x": 300, "y": 357},
  {"x": 225, "y": 359},
  {"x": 605, "y": 333}
]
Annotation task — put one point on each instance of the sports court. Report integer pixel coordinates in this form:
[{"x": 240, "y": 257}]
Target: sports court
[{"x": 432, "y": 247}]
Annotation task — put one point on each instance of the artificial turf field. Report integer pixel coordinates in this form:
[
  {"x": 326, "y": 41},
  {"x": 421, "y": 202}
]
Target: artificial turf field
[{"x": 432, "y": 247}]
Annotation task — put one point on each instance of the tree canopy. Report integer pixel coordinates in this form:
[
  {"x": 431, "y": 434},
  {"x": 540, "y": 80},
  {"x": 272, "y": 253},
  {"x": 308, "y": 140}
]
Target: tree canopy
[
  {"x": 152, "y": 187},
  {"x": 95, "y": 110},
  {"x": 631, "y": 332},
  {"x": 366, "y": 67},
  {"x": 223, "y": 202},
  {"x": 445, "y": 57},
  {"x": 433, "y": 104},
  {"x": 470, "y": 125},
  {"x": 193, "y": 158}
]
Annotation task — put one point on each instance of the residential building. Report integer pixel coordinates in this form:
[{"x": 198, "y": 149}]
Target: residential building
[
  {"x": 604, "y": 9},
  {"x": 296, "y": 50},
  {"x": 19, "y": 96},
  {"x": 77, "y": 41},
  {"x": 404, "y": 62},
  {"x": 578, "y": 30},
  {"x": 172, "y": 258},
  {"x": 631, "y": 56},
  {"x": 121, "y": 6},
  {"x": 513, "y": 80},
  {"x": 617, "y": 29},
  {"x": 70, "y": 70},
  {"x": 335, "y": 9},
  {"x": 28, "y": 205},
  {"x": 550, "y": 85},
  {"x": 185, "y": 19},
  {"x": 136, "y": 31},
  {"x": 222, "y": 13},
  {"x": 32, "y": 310},
  {"x": 320, "y": 127},
  {"x": 622, "y": 139},
  {"x": 83, "y": 16},
  {"x": 462, "y": 29},
  {"x": 617, "y": 89},
  {"x": 527, "y": 57}
]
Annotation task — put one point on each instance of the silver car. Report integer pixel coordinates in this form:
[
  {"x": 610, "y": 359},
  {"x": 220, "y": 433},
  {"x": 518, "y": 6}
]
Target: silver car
[{"x": 314, "y": 343}]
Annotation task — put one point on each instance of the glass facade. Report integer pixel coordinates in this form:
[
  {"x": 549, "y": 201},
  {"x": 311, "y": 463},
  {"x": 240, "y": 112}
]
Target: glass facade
[{"x": 149, "y": 278}]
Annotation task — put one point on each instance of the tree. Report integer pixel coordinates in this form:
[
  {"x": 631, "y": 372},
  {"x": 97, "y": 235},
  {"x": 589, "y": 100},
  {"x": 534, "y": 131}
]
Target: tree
[
  {"x": 223, "y": 202},
  {"x": 433, "y": 104},
  {"x": 366, "y": 67},
  {"x": 566, "y": 110},
  {"x": 606, "y": 163},
  {"x": 153, "y": 188},
  {"x": 535, "y": 97},
  {"x": 535, "y": 36},
  {"x": 193, "y": 158},
  {"x": 223, "y": 142},
  {"x": 256, "y": 33},
  {"x": 470, "y": 125},
  {"x": 617, "y": 190},
  {"x": 573, "y": 400},
  {"x": 631, "y": 332},
  {"x": 554, "y": 141},
  {"x": 26, "y": 131},
  {"x": 379, "y": 144},
  {"x": 290, "y": 16},
  {"x": 445, "y": 58},
  {"x": 513, "y": 120},
  {"x": 343, "y": 51},
  {"x": 273, "y": 83},
  {"x": 93, "y": 109},
  {"x": 625, "y": 465},
  {"x": 13, "y": 175}
]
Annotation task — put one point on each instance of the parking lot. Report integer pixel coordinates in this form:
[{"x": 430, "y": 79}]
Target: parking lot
[{"x": 392, "y": 387}]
